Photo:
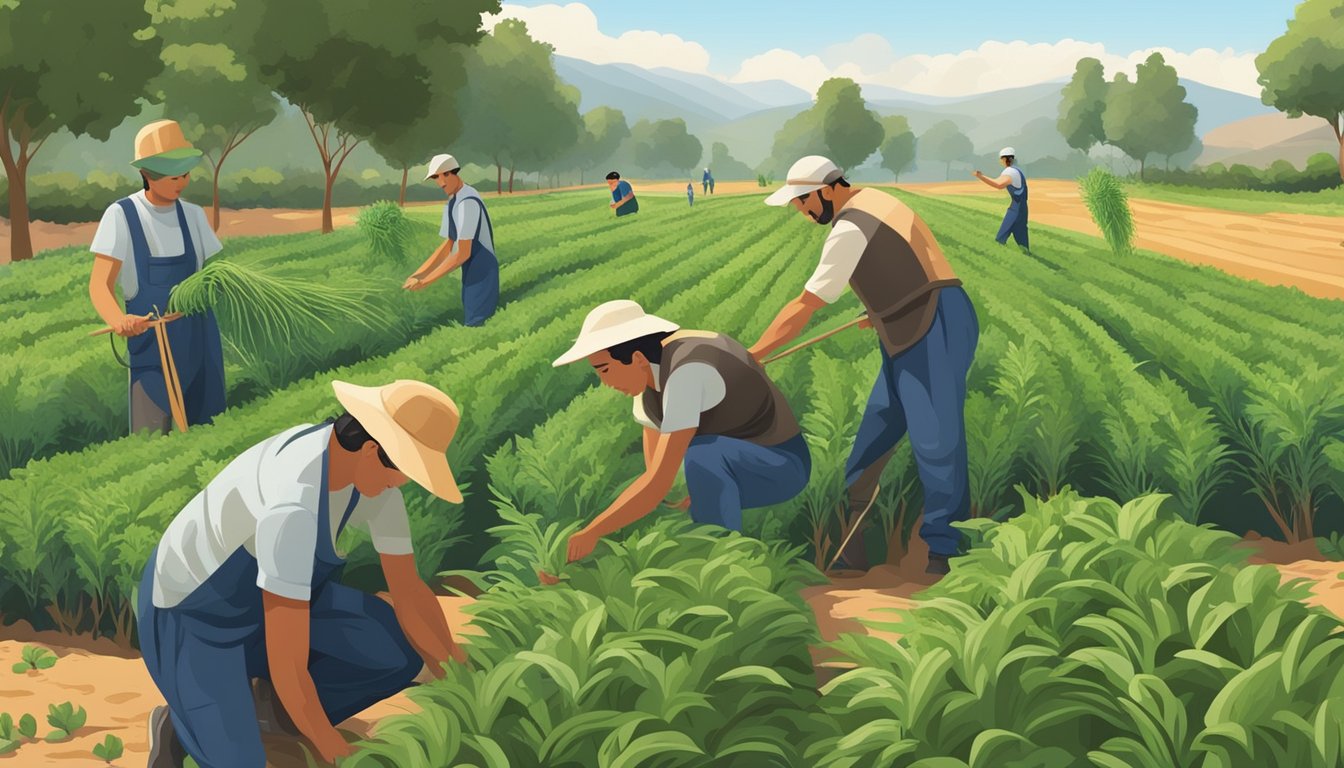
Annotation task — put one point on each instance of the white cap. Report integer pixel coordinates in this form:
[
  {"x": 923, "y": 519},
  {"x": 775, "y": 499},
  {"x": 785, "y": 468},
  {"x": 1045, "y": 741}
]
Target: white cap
[
  {"x": 441, "y": 163},
  {"x": 807, "y": 175},
  {"x": 1007, "y": 152},
  {"x": 615, "y": 322}
]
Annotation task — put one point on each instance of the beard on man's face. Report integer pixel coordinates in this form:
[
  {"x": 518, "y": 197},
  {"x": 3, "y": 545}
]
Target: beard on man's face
[{"x": 827, "y": 211}]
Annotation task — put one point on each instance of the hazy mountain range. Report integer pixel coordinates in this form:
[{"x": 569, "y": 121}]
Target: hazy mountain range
[{"x": 744, "y": 116}]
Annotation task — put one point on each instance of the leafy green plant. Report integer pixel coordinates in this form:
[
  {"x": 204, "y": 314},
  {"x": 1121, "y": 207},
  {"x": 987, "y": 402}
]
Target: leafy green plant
[
  {"x": 387, "y": 229},
  {"x": 66, "y": 718},
  {"x": 35, "y": 658},
  {"x": 109, "y": 750},
  {"x": 1108, "y": 203},
  {"x": 13, "y": 735},
  {"x": 526, "y": 549}
]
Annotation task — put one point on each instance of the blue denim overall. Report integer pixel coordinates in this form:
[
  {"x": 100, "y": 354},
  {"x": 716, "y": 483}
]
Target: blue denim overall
[
  {"x": 1015, "y": 220},
  {"x": 197, "y": 351},
  {"x": 480, "y": 272},
  {"x": 203, "y": 652}
]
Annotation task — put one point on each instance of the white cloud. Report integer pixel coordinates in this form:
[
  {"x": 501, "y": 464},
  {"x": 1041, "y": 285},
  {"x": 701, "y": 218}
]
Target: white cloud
[
  {"x": 573, "y": 30},
  {"x": 992, "y": 66},
  {"x": 870, "y": 58}
]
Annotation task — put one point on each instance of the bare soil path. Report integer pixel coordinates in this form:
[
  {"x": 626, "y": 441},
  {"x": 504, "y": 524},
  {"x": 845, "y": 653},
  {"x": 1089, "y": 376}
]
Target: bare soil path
[{"x": 1293, "y": 249}]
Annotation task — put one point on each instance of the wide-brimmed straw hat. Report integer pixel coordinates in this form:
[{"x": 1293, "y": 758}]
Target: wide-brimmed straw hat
[
  {"x": 414, "y": 423},
  {"x": 162, "y": 149},
  {"x": 610, "y": 324}
]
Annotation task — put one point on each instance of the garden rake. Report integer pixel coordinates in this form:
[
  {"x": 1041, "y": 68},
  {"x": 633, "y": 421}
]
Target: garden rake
[{"x": 170, "y": 379}]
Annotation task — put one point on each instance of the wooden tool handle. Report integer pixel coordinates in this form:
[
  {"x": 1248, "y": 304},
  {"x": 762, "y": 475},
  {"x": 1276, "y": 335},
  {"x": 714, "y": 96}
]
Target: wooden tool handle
[{"x": 152, "y": 323}]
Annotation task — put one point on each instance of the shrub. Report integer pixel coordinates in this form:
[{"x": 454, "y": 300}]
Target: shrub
[{"x": 1109, "y": 206}]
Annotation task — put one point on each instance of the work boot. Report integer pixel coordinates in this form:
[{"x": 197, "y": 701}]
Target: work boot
[
  {"x": 165, "y": 751},
  {"x": 938, "y": 565},
  {"x": 271, "y": 714}
]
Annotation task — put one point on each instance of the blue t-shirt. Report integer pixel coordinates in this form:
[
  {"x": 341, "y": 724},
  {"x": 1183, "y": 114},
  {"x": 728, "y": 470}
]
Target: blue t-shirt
[{"x": 622, "y": 189}]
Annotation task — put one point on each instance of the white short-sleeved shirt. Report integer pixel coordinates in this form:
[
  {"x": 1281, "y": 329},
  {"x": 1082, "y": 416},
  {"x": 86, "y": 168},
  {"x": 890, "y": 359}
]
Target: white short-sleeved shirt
[
  {"x": 691, "y": 390},
  {"x": 266, "y": 502},
  {"x": 839, "y": 258},
  {"x": 467, "y": 216},
  {"x": 162, "y": 233},
  {"x": 1013, "y": 175}
]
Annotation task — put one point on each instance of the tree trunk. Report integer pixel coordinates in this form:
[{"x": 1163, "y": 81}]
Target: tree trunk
[
  {"x": 20, "y": 239},
  {"x": 510, "y": 180},
  {"x": 1341, "y": 167},
  {"x": 1341, "y": 158},
  {"x": 327, "y": 228},
  {"x": 214, "y": 207},
  {"x": 499, "y": 177},
  {"x": 1141, "y": 169},
  {"x": 402, "y": 200}
]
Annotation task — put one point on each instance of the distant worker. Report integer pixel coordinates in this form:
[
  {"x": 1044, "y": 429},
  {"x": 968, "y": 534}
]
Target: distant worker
[
  {"x": 704, "y": 182},
  {"x": 1015, "y": 220},
  {"x": 622, "y": 196},
  {"x": 690, "y": 194},
  {"x": 148, "y": 243},
  {"x": 469, "y": 243},
  {"x": 711, "y": 182}
]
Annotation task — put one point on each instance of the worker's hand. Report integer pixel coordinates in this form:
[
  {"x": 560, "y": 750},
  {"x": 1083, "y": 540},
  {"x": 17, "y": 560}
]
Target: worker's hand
[
  {"x": 458, "y": 653},
  {"x": 756, "y": 355},
  {"x": 333, "y": 745},
  {"x": 581, "y": 545},
  {"x": 977, "y": 174},
  {"x": 866, "y": 323},
  {"x": 131, "y": 325},
  {"x": 413, "y": 283},
  {"x": 682, "y": 505}
]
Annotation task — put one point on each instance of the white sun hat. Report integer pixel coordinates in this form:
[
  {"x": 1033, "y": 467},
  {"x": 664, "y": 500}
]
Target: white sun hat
[
  {"x": 615, "y": 322},
  {"x": 807, "y": 175},
  {"x": 1007, "y": 152},
  {"x": 441, "y": 163}
]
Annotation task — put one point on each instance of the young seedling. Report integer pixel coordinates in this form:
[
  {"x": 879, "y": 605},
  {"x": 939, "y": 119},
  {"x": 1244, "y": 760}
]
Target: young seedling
[
  {"x": 66, "y": 719},
  {"x": 9, "y": 736},
  {"x": 35, "y": 658},
  {"x": 109, "y": 750}
]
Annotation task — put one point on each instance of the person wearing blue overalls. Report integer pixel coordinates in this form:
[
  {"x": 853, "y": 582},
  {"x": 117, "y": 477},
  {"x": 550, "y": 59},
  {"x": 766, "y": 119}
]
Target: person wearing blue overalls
[
  {"x": 244, "y": 583},
  {"x": 148, "y": 243},
  {"x": 704, "y": 182},
  {"x": 690, "y": 195},
  {"x": 469, "y": 243},
  {"x": 926, "y": 328},
  {"x": 706, "y": 407},
  {"x": 623, "y": 200},
  {"x": 1015, "y": 220}
]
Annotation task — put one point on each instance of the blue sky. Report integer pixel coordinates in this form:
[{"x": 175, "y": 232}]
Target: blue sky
[
  {"x": 735, "y": 29},
  {"x": 947, "y": 47}
]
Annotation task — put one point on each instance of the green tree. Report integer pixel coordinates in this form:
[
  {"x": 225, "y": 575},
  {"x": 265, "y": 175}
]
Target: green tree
[
  {"x": 418, "y": 141},
  {"x": 207, "y": 88},
  {"x": 726, "y": 167},
  {"x": 665, "y": 143},
  {"x": 1082, "y": 103},
  {"x": 1149, "y": 116},
  {"x": 81, "y": 65},
  {"x": 355, "y": 68},
  {"x": 898, "y": 146},
  {"x": 604, "y": 130},
  {"x": 1302, "y": 71},
  {"x": 850, "y": 131},
  {"x": 945, "y": 143},
  {"x": 519, "y": 113}
]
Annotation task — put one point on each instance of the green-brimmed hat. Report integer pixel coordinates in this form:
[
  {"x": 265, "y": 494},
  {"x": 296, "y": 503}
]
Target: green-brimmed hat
[{"x": 162, "y": 149}]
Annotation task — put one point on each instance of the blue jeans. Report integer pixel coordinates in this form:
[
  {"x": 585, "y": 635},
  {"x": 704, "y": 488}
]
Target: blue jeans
[
  {"x": 725, "y": 475},
  {"x": 921, "y": 392}
]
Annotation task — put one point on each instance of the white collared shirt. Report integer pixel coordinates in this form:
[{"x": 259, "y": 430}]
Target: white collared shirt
[{"x": 162, "y": 234}]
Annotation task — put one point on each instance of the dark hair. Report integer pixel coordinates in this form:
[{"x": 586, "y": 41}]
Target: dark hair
[
  {"x": 650, "y": 346},
  {"x": 842, "y": 181},
  {"x": 1010, "y": 158},
  {"x": 145, "y": 176},
  {"x": 613, "y": 176},
  {"x": 352, "y": 436}
]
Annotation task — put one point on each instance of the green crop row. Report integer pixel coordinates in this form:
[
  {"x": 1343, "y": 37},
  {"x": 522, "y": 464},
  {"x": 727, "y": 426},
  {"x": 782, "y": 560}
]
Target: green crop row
[{"x": 81, "y": 566}]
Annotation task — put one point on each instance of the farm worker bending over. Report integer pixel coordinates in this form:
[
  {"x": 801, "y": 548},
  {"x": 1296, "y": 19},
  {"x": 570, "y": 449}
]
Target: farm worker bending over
[
  {"x": 469, "y": 243},
  {"x": 925, "y": 324},
  {"x": 703, "y": 402},
  {"x": 1015, "y": 220},
  {"x": 148, "y": 243},
  {"x": 622, "y": 196},
  {"x": 243, "y": 583}
]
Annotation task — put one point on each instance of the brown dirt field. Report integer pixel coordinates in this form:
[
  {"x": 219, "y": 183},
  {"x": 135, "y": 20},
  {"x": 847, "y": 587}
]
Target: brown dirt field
[
  {"x": 1275, "y": 248},
  {"x": 112, "y": 684}
]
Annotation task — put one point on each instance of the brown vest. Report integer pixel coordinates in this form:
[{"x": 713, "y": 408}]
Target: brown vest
[
  {"x": 897, "y": 280},
  {"x": 753, "y": 408}
]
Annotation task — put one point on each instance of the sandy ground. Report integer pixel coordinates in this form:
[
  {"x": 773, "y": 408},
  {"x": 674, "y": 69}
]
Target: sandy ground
[
  {"x": 1276, "y": 248},
  {"x": 112, "y": 685}
]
